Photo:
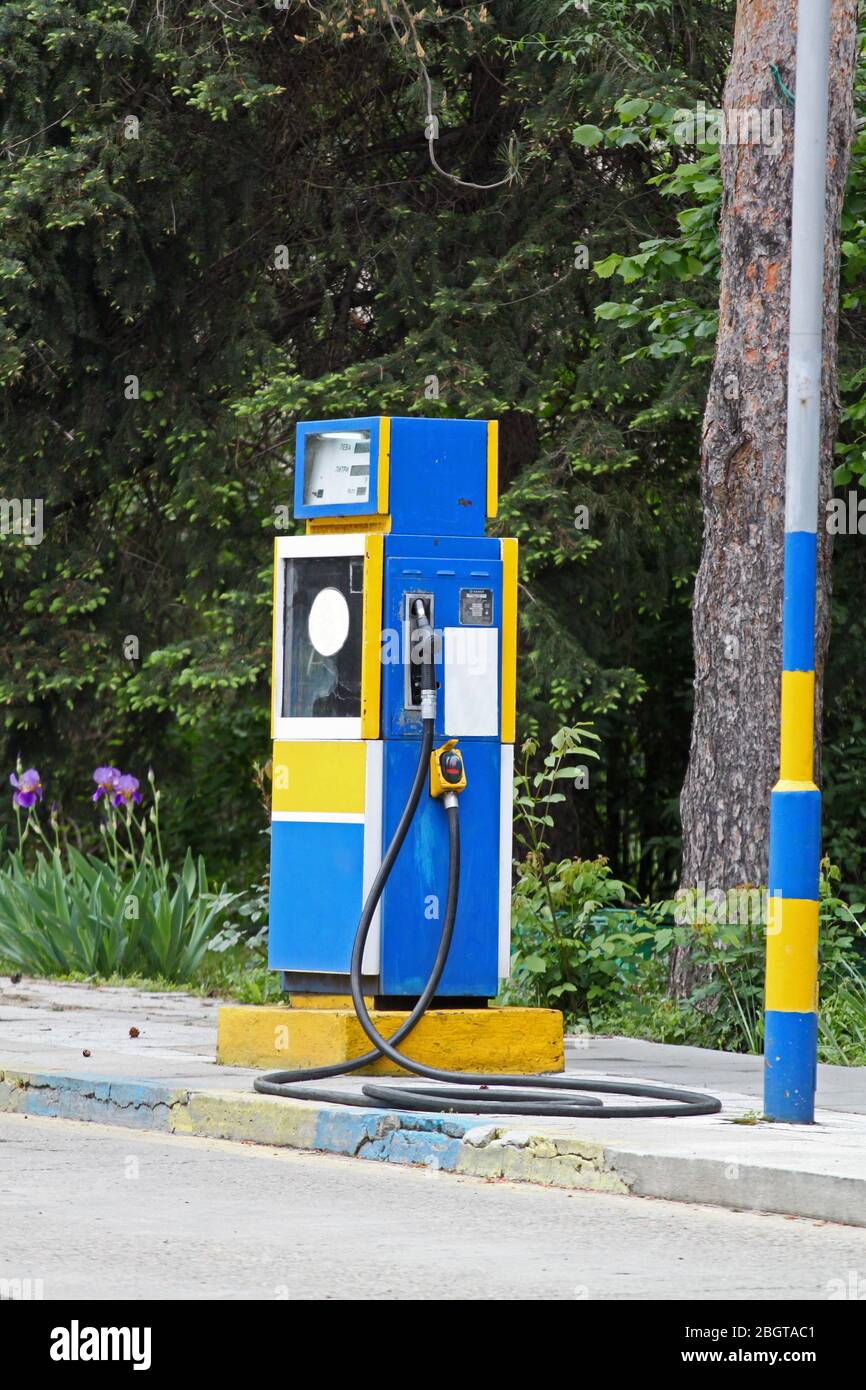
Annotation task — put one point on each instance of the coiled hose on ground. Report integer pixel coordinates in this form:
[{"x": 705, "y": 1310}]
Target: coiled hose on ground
[{"x": 458, "y": 1092}]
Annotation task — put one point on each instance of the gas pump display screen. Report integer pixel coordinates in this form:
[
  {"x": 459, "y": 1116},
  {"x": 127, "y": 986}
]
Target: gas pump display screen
[
  {"x": 336, "y": 468},
  {"x": 322, "y": 634}
]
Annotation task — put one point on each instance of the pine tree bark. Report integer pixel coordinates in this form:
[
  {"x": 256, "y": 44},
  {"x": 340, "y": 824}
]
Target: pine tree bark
[{"x": 733, "y": 760}]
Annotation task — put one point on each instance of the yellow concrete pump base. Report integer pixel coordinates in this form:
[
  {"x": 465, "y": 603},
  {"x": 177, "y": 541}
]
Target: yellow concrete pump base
[{"x": 277, "y": 1037}]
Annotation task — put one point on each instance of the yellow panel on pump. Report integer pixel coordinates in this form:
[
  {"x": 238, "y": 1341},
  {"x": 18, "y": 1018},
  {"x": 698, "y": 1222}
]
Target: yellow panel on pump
[
  {"x": 371, "y": 641},
  {"x": 309, "y": 776},
  {"x": 384, "y": 465},
  {"x": 509, "y": 640},
  {"x": 492, "y": 467}
]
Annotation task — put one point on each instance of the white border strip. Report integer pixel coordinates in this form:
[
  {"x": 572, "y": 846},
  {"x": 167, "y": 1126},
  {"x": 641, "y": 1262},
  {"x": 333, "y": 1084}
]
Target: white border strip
[
  {"x": 319, "y": 817},
  {"x": 325, "y": 728},
  {"x": 373, "y": 850},
  {"x": 506, "y": 812},
  {"x": 353, "y": 544}
]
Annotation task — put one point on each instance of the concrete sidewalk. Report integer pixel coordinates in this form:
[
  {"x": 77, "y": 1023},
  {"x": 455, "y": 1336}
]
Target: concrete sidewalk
[{"x": 66, "y": 1051}]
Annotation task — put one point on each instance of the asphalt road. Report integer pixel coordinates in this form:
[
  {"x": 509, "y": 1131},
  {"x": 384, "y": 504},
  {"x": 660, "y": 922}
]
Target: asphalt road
[{"x": 100, "y": 1212}]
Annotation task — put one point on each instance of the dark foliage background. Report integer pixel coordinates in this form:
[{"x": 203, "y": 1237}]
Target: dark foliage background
[{"x": 234, "y": 205}]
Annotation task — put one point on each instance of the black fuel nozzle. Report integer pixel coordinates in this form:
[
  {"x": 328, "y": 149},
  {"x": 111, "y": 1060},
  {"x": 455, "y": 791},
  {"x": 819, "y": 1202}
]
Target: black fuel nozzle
[{"x": 425, "y": 655}]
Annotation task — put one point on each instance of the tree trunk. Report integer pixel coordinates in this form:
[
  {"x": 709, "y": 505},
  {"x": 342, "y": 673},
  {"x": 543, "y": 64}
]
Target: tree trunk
[{"x": 733, "y": 760}]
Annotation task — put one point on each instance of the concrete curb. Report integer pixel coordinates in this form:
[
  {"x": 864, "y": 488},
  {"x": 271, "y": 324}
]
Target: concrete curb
[
  {"x": 710, "y": 1182},
  {"x": 439, "y": 1143}
]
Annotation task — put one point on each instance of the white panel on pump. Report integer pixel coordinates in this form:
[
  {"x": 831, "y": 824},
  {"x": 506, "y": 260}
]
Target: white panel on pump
[{"x": 471, "y": 680}]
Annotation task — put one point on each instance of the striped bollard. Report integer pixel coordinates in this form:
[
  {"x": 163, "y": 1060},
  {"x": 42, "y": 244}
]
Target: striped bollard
[{"x": 791, "y": 1018}]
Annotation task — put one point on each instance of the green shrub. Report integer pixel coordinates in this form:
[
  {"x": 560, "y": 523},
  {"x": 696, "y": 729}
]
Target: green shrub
[
  {"x": 237, "y": 959},
  {"x": 579, "y": 946},
  {"x": 72, "y": 913},
  {"x": 842, "y": 981},
  {"x": 567, "y": 952},
  {"x": 67, "y": 913}
]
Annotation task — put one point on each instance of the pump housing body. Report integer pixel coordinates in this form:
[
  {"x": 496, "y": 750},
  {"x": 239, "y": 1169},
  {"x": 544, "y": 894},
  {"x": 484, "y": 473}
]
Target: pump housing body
[{"x": 395, "y": 510}]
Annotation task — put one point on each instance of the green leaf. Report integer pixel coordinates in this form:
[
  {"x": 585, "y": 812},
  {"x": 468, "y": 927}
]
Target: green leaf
[
  {"x": 631, "y": 108},
  {"x": 535, "y": 964},
  {"x": 587, "y": 135},
  {"x": 604, "y": 269}
]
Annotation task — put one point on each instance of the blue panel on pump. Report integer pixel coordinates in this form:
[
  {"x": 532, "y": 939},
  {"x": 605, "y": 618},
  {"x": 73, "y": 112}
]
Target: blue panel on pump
[
  {"x": 438, "y": 476},
  {"x": 316, "y": 879},
  {"x": 452, "y": 572},
  {"x": 413, "y": 903},
  {"x": 444, "y": 547}
]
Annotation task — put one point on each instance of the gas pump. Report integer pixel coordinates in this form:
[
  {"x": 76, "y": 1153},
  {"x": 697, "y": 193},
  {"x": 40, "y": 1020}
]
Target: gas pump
[
  {"x": 395, "y": 547},
  {"x": 393, "y": 724}
]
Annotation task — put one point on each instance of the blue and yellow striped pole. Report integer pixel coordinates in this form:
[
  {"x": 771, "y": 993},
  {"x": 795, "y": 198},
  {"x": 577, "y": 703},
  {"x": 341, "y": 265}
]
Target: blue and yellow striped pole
[{"x": 791, "y": 1018}]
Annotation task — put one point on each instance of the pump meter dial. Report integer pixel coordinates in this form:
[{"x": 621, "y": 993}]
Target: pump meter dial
[{"x": 328, "y": 621}]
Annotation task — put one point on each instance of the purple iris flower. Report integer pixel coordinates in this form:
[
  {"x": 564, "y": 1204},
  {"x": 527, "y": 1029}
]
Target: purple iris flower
[
  {"x": 106, "y": 781},
  {"x": 29, "y": 788},
  {"x": 126, "y": 790}
]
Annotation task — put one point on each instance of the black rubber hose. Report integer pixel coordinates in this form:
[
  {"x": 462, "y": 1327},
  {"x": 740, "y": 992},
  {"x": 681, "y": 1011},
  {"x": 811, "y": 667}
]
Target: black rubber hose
[
  {"x": 459, "y": 1092},
  {"x": 522, "y": 1097},
  {"x": 282, "y": 1083}
]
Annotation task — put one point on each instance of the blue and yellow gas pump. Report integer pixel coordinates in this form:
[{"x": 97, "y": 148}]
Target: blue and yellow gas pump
[
  {"x": 393, "y": 723},
  {"x": 395, "y": 513}
]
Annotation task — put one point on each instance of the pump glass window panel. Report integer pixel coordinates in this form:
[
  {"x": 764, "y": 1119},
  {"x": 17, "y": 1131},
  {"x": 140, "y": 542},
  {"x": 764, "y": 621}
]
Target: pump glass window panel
[
  {"x": 322, "y": 637},
  {"x": 337, "y": 468}
]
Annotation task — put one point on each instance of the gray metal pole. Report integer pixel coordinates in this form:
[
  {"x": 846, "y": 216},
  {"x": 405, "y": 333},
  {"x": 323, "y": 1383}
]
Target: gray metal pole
[
  {"x": 807, "y": 265},
  {"x": 791, "y": 1018}
]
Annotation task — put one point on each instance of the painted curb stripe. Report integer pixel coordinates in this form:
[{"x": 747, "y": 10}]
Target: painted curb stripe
[
  {"x": 443, "y": 1143},
  {"x": 448, "y": 1144}
]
